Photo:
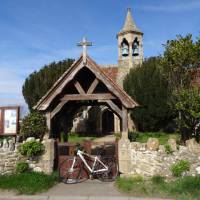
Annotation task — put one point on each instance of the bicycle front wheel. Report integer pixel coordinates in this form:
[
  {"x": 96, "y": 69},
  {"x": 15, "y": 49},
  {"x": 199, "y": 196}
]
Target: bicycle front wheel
[
  {"x": 112, "y": 172},
  {"x": 70, "y": 171}
]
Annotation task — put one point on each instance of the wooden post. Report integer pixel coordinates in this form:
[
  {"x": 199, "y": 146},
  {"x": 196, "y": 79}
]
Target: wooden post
[
  {"x": 124, "y": 119},
  {"x": 48, "y": 116}
]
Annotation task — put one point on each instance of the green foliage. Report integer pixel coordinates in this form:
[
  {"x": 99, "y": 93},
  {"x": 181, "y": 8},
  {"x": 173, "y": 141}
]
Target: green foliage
[
  {"x": 157, "y": 179},
  {"x": 168, "y": 149},
  {"x": 180, "y": 55},
  {"x": 179, "y": 168},
  {"x": 31, "y": 148},
  {"x": 148, "y": 86},
  {"x": 185, "y": 188},
  {"x": 63, "y": 137},
  {"x": 188, "y": 106},
  {"x": 118, "y": 136},
  {"x": 38, "y": 83},
  {"x": 33, "y": 125},
  {"x": 144, "y": 136},
  {"x": 22, "y": 167},
  {"x": 28, "y": 183}
]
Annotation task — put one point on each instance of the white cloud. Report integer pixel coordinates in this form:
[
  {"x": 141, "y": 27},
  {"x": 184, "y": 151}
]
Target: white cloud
[{"x": 181, "y": 7}]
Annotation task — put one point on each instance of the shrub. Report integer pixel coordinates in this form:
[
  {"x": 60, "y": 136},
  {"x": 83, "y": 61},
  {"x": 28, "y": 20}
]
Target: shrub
[
  {"x": 168, "y": 149},
  {"x": 179, "y": 168},
  {"x": 132, "y": 136},
  {"x": 33, "y": 125},
  {"x": 31, "y": 148},
  {"x": 118, "y": 136},
  {"x": 22, "y": 167},
  {"x": 157, "y": 179}
]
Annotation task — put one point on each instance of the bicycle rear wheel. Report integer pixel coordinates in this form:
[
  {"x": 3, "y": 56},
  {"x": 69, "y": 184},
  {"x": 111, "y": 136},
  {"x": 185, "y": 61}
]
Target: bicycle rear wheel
[
  {"x": 68, "y": 174},
  {"x": 112, "y": 172}
]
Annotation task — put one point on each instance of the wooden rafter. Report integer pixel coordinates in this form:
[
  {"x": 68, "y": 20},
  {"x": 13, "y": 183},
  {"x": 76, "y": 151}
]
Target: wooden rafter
[
  {"x": 58, "y": 108},
  {"x": 75, "y": 97},
  {"x": 114, "y": 107},
  {"x": 79, "y": 87},
  {"x": 93, "y": 86}
]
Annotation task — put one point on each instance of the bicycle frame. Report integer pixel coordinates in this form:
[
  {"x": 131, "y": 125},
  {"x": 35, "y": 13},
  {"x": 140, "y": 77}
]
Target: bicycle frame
[{"x": 96, "y": 160}]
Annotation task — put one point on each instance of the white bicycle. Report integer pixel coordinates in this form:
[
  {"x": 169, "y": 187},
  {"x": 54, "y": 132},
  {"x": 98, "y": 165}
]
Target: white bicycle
[{"x": 76, "y": 169}]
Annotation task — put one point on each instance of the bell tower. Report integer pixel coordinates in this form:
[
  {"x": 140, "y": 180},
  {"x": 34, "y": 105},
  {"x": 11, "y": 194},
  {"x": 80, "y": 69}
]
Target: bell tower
[{"x": 130, "y": 47}]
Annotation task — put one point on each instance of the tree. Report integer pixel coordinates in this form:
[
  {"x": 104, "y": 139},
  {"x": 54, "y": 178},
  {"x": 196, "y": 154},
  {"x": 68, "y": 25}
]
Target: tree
[
  {"x": 180, "y": 55},
  {"x": 38, "y": 83},
  {"x": 188, "y": 105},
  {"x": 148, "y": 86},
  {"x": 33, "y": 125}
]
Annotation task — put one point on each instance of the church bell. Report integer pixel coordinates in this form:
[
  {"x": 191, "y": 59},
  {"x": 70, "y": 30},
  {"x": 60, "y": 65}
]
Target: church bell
[
  {"x": 135, "y": 49},
  {"x": 125, "y": 50}
]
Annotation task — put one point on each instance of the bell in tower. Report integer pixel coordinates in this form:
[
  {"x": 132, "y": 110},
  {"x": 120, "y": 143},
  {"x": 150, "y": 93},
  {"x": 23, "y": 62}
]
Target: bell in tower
[
  {"x": 135, "y": 48},
  {"x": 125, "y": 48}
]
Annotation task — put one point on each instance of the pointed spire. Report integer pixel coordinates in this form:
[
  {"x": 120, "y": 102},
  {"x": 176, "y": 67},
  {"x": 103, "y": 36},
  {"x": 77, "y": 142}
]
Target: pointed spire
[{"x": 129, "y": 24}]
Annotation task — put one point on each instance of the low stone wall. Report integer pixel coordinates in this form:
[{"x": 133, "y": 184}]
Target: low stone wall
[
  {"x": 148, "y": 159},
  {"x": 9, "y": 157}
]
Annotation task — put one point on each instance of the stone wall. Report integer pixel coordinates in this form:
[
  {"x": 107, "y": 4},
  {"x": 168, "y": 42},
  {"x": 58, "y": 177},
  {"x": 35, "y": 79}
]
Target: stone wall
[
  {"x": 148, "y": 159},
  {"x": 9, "y": 157}
]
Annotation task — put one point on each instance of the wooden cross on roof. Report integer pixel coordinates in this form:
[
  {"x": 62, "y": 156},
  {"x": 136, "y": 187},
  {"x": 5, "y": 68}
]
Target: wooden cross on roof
[{"x": 84, "y": 43}]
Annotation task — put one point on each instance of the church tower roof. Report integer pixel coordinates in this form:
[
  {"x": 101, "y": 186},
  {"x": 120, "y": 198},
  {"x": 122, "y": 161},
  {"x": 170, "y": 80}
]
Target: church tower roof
[{"x": 129, "y": 24}]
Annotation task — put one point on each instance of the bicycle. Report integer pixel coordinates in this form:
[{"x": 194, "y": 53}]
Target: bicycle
[{"x": 71, "y": 170}]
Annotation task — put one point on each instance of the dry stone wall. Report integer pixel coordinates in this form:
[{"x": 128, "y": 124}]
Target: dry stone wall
[
  {"x": 148, "y": 159},
  {"x": 9, "y": 157}
]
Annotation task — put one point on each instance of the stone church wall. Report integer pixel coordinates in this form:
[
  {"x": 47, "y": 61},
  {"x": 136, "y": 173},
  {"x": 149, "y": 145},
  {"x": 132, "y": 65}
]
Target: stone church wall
[
  {"x": 9, "y": 157},
  {"x": 149, "y": 159}
]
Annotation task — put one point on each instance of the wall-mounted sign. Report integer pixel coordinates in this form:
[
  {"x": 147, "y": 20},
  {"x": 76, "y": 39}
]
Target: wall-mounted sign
[{"x": 9, "y": 120}]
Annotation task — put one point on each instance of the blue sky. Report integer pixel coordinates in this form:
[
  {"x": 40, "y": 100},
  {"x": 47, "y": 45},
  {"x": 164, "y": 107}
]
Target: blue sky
[{"x": 37, "y": 32}]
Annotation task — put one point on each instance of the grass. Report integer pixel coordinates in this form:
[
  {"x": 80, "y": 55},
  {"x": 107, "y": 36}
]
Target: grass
[
  {"x": 186, "y": 188},
  {"x": 28, "y": 183},
  {"x": 162, "y": 137},
  {"x": 79, "y": 139}
]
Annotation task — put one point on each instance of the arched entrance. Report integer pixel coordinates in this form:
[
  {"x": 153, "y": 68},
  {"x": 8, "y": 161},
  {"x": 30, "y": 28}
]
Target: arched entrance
[{"x": 107, "y": 122}]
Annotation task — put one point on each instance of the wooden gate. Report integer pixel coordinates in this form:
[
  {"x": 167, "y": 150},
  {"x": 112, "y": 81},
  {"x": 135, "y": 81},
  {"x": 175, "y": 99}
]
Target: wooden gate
[{"x": 67, "y": 150}]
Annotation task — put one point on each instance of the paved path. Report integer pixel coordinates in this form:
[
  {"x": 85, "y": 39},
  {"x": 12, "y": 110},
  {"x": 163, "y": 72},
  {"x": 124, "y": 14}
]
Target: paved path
[{"x": 89, "y": 190}]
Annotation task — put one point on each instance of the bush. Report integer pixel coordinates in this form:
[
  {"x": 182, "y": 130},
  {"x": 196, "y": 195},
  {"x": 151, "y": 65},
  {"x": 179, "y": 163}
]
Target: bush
[
  {"x": 33, "y": 125},
  {"x": 132, "y": 136},
  {"x": 157, "y": 179},
  {"x": 31, "y": 148},
  {"x": 168, "y": 149},
  {"x": 22, "y": 167},
  {"x": 179, "y": 168}
]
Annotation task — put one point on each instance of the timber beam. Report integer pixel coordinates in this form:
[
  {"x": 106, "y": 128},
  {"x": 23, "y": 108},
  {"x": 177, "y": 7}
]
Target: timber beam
[{"x": 76, "y": 97}]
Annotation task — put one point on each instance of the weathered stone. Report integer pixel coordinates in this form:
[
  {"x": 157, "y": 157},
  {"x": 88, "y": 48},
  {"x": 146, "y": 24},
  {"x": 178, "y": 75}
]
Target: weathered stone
[
  {"x": 30, "y": 139},
  {"x": 172, "y": 144},
  {"x": 37, "y": 169},
  {"x": 198, "y": 170},
  {"x": 162, "y": 148},
  {"x": 153, "y": 144},
  {"x": 193, "y": 146}
]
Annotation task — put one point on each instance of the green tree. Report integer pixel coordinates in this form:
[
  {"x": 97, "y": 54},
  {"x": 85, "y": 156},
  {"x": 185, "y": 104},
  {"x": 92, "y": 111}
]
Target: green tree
[
  {"x": 147, "y": 85},
  {"x": 38, "y": 83},
  {"x": 180, "y": 55},
  {"x": 33, "y": 125},
  {"x": 188, "y": 105}
]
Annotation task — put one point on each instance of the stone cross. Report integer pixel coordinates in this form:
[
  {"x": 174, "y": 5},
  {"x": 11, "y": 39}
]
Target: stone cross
[{"x": 84, "y": 43}]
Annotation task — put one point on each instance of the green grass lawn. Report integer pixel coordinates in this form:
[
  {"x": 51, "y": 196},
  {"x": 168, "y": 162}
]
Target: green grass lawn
[
  {"x": 79, "y": 139},
  {"x": 28, "y": 183},
  {"x": 162, "y": 137},
  {"x": 186, "y": 188}
]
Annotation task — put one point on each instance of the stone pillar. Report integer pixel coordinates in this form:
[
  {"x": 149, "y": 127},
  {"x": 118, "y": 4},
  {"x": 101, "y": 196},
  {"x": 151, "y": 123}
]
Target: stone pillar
[
  {"x": 124, "y": 154},
  {"x": 49, "y": 155}
]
